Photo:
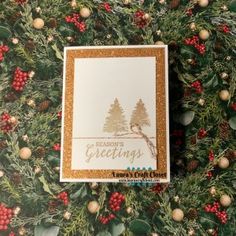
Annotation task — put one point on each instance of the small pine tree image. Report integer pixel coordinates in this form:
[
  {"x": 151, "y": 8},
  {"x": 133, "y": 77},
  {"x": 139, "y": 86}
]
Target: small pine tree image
[
  {"x": 140, "y": 115},
  {"x": 115, "y": 121}
]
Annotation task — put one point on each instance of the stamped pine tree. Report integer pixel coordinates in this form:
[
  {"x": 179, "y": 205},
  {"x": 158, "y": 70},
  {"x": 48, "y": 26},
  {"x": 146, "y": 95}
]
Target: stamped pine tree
[
  {"x": 140, "y": 115},
  {"x": 115, "y": 121}
]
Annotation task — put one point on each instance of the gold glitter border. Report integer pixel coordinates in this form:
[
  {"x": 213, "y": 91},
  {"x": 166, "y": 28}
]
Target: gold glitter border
[{"x": 71, "y": 55}]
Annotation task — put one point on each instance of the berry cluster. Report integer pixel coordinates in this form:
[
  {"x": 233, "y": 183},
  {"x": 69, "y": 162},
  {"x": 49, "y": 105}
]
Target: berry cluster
[
  {"x": 194, "y": 41},
  {"x": 11, "y": 234},
  {"x": 139, "y": 19},
  {"x": 209, "y": 175},
  {"x": 215, "y": 208},
  {"x": 5, "y": 120},
  {"x": 202, "y": 133},
  {"x": 20, "y": 79},
  {"x": 63, "y": 196},
  {"x": 106, "y": 6},
  {"x": 157, "y": 188},
  {"x": 57, "y": 147},
  {"x": 6, "y": 215},
  {"x": 3, "y": 50},
  {"x": 106, "y": 219},
  {"x": 222, "y": 216},
  {"x": 224, "y": 28},
  {"x": 116, "y": 200},
  {"x": 211, "y": 155},
  {"x": 75, "y": 19},
  {"x": 197, "y": 86}
]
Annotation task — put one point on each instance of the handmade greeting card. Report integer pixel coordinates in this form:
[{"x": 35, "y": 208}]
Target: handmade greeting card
[{"x": 115, "y": 114}]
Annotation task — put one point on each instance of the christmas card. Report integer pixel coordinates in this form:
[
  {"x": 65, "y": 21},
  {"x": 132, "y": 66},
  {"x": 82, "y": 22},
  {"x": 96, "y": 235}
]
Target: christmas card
[{"x": 115, "y": 114}]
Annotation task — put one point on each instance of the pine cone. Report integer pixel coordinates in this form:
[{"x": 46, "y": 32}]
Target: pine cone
[
  {"x": 10, "y": 97},
  {"x": 52, "y": 206},
  {"x": 192, "y": 165},
  {"x": 30, "y": 45},
  {"x": 153, "y": 208},
  {"x": 99, "y": 26},
  {"x": 16, "y": 178},
  {"x": 174, "y": 4},
  {"x": 224, "y": 130},
  {"x": 14, "y": 17},
  {"x": 136, "y": 39},
  {"x": 231, "y": 155},
  {"x": 52, "y": 23},
  {"x": 192, "y": 214},
  {"x": 218, "y": 46},
  {"x": 40, "y": 152},
  {"x": 43, "y": 106},
  {"x": 3, "y": 144}
]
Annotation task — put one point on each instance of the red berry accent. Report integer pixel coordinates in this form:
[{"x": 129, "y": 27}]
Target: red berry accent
[
  {"x": 5, "y": 217},
  {"x": 224, "y": 28},
  {"x": 157, "y": 188},
  {"x": 139, "y": 19},
  {"x": 63, "y": 196},
  {"x": 197, "y": 86},
  {"x": 5, "y": 126},
  {"x": 106, "y": 219},
  {"x": 194, "y": 41},
  {"x": 201, "y": 48},
  {"x": 57, "y": 147},
  {"x": 116, "y": 200},
  {"x": 75, "y": 19},
  {"x": 20, "y": 79},
  {"x": 202, "y": 133},
  {"x": 209, "y": 175},
  {"x": 211, "y": 155},
  {"x": 189, "y": 12},
  {"x": 106, "y": 6},
  {"x": 11, "y": 234},
  {"x": 215, "y": 208},
  {"x": 3, "y": 49}
]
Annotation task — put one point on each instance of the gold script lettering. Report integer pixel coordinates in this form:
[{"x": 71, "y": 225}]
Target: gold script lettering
[{"x": 93, "y": 151}]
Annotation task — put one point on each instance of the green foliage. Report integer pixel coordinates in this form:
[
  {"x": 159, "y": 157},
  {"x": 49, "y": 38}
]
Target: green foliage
[
  {"x": 4, "y": 32},
  {"x": 139, "y": 227},
  {"x": 42, "y": 231},
  {"x": 117, "y": 229}
]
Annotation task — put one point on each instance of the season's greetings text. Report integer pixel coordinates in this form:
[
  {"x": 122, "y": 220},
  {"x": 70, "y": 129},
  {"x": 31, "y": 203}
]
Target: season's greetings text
[{"x": 112, "y": 150}]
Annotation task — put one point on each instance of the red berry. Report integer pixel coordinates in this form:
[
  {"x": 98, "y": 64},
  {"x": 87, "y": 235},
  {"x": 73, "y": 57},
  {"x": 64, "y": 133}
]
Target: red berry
[
  {"x": 202, "y": 133},
  {"x": 233, "y": 106}
]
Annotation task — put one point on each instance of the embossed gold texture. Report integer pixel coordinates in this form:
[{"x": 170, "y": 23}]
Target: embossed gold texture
[{"x": 71, "y": 55}]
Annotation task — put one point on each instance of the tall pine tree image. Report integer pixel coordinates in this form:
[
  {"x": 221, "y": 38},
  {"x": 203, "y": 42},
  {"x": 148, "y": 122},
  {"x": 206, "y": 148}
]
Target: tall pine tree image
[
  {"x": 140, "y": 115},
  {"x": 115, "y": 122}
]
